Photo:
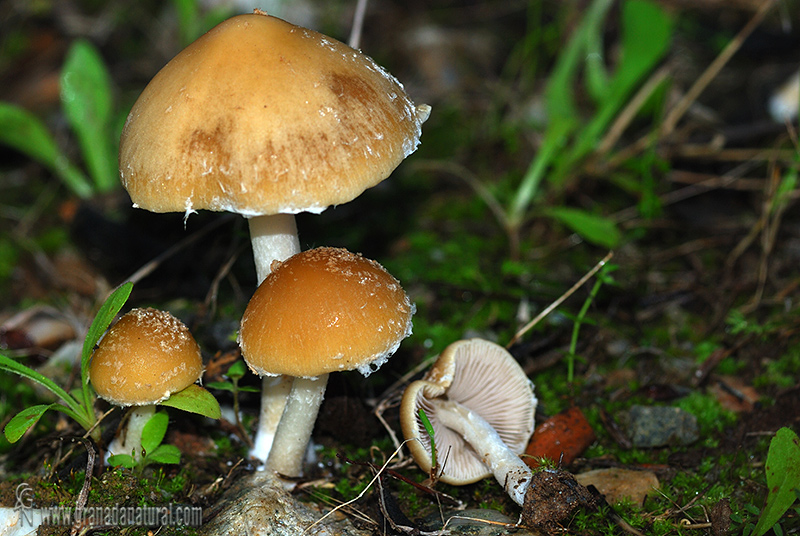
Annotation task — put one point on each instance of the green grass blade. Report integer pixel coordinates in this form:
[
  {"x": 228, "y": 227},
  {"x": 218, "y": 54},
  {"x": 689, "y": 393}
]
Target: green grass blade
[{"x": 553, "y": 142}]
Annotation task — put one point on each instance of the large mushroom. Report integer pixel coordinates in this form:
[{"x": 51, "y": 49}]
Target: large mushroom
[
  {"x": 140, "y": 361},
  {"x": 481, "y": 406},
  {"x": 320, "y": 311},
  {"x": 266, "y": 119}
]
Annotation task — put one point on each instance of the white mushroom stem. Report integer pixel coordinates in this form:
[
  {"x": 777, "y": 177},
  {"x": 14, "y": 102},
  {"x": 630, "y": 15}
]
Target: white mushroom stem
[
  {"x": 297, "y": 423},
  {"x": 274, "y": 392},
  {"x": 131, "y": 443},
  {"x": 273, "y": 238},
  {"x": 507, "y": 467}
]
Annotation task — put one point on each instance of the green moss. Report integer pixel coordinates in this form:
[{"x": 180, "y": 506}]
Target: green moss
[
  {"x": 730, "y": 366},
  {"x": 552, "y": 389},
  {"x": 782, "y": 372},
  {"x": 712, "y": 418}
]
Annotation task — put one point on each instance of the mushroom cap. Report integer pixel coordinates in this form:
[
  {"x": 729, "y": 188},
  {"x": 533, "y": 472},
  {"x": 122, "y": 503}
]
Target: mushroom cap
[
  {"x": 324, "y": 310},
  {"x": 143, "y": 358},
  {"x": 486, "y": 379},
  {"x": 259, "y": 117}
]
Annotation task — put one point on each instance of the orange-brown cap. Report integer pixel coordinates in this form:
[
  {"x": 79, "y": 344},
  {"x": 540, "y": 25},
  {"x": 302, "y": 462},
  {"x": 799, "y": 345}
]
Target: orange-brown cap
[
  {"x": 324, "y": 310},
  {"x": 146, "y": 356},
  {"x": 258, "y": 117}
]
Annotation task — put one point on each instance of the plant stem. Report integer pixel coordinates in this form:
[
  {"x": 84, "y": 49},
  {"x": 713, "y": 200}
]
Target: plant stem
[{"x": 576, "y": 328}]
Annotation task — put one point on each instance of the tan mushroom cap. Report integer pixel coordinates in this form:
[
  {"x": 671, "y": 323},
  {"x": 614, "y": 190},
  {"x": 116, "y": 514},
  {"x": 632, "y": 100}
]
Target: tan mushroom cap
[
  {"x": 486, "y": 379},
  {"x": 324, "y": 310},
  {"x": 146, "y": 356},
  {"x": 258, "y": 117}
]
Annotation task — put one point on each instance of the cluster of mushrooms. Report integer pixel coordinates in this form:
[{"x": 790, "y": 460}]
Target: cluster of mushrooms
[{"x": 267, "y": 119}]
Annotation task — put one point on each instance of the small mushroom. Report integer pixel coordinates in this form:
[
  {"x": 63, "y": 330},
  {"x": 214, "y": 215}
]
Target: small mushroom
[
  {"x": 142, "y": 359},
  {"x": 320, "y": 311},
  {"x": 481, "y": 405}
]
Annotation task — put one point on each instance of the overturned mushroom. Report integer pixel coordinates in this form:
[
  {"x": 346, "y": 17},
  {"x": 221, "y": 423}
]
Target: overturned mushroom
[
  {"x": 320, "y": 311},
  {"x": 481, "y": 405}
]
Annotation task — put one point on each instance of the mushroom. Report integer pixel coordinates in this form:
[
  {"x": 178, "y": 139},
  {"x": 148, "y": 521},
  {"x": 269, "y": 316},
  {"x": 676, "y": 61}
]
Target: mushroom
[
  {"x": 481, "y": 406},
  {"x": 265, "y": 119},
  {"x": 320, "y": 311},
  {"x": 140, "y": 361}
]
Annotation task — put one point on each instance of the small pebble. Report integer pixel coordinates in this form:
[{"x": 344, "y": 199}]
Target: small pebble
[{"x": 658, "y": 426}]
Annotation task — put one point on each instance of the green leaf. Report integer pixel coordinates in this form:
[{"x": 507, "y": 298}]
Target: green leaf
[
  {"x": 646, "y": 36},
  {"x": 783, "y": 478},
  {"x": 164, "y": 454},
  {"x": 124, "y": 460},
  {"x": 221, "y": 386},
  {"x": 559, "y": 92},
  {"x": 598, "y": 230},
  {"x": 24, "y": 420},
  {"x": 9, "y": 365},
  {"x": 100, "y": 324},
  {"x": 154, "y": 431},
  {"x": 26, "y": 133},
  {"x": 237, "y": 370},
  {"x": 194, "y": 399},
  {"x": 596, "y": 77},
  {"x": 87, "y": 99},
  {"x": 228, "y": 386}
]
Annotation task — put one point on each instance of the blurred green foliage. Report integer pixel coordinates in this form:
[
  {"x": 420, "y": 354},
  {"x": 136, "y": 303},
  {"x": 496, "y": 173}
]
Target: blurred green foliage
[
  {"x": 87, "y": 101},
  {"x": 570, "y": 137}
]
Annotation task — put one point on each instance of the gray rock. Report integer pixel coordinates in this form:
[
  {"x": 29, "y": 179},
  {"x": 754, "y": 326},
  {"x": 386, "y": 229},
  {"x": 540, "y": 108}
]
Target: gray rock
[
  {"x": 258, "y": 505},
  {"x": 658, "y": 426}
]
